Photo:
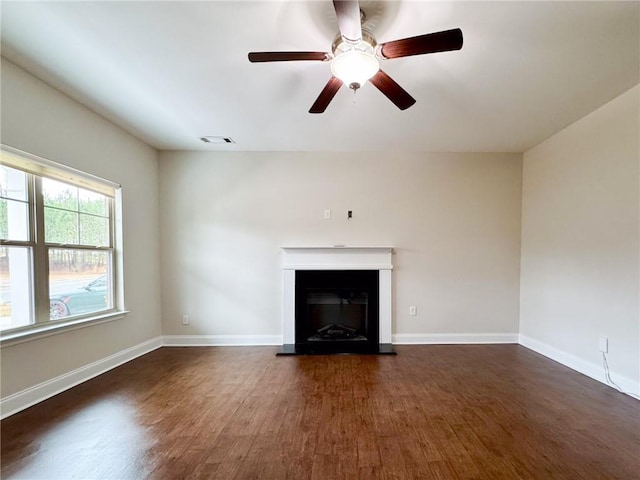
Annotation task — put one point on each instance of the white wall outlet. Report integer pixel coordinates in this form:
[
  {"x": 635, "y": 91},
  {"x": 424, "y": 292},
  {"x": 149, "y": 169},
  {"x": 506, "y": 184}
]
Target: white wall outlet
[
  {"x": 413, "y": 310},
  {"x": 603, "y": 344},
  {"x": 327, "y": 214},
  {"x": 185, "y": 319}
]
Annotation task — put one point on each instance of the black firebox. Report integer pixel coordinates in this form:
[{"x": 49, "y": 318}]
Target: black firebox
[{"x": 336, "y": 311}]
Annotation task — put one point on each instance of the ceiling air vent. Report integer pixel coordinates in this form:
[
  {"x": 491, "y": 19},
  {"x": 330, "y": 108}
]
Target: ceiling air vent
[{"x": 217, "y": 140}]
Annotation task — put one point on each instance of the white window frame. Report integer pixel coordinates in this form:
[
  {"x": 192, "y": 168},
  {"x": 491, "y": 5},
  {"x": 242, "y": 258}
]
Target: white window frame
[{"x": 36, "y": 168}]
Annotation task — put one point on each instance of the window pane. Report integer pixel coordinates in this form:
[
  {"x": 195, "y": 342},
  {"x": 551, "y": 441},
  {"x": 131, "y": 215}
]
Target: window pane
[
  {"x": 14, "y": 220},
  {"x": 95, "y": 203},
  {"x": 79, "y": 282},
  {"x": 60, "y": 195},
  {"x": 16, "y": 296},
  {"x": 94, "y": 231},
  {"x": 13, "y": 184},
  {"x": 75, "y": 216},
  {"x": 60, "y": 226}
]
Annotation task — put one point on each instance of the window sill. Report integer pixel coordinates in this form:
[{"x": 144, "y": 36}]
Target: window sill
[{"x": 42, "y": 331}]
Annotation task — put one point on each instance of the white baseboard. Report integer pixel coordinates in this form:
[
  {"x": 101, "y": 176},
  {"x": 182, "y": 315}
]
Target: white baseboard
[
  {"x": 220, "y": 340},
  {"x": 452, "y": 338},
  {"x": 32, "y": 395},
  {"x": 593, "y": 370}
]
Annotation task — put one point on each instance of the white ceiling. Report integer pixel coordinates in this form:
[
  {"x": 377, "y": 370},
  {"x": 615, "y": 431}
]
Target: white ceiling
[{"x": 171, "y": 72}]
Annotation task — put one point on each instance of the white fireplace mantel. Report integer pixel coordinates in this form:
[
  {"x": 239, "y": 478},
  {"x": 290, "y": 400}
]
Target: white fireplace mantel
[{"x": 336, "y": 258}]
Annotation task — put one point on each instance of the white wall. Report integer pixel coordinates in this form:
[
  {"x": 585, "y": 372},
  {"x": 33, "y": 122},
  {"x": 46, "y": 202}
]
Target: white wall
[
  {"x": 453, "y": 219},
  {"x": 580, "y": 242},
  {"x": 40, "y": 120}
]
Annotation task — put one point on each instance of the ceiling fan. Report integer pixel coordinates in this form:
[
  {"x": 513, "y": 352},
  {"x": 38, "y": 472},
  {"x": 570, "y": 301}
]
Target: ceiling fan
[{"x": 355, "y": 56}]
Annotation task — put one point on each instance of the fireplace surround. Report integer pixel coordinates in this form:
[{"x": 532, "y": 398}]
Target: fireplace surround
[{"x": 337, "y": 300}]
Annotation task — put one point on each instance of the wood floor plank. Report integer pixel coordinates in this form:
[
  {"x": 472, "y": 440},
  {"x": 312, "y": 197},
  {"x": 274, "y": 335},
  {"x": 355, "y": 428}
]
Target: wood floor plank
[{"x": 449, "y": 412}]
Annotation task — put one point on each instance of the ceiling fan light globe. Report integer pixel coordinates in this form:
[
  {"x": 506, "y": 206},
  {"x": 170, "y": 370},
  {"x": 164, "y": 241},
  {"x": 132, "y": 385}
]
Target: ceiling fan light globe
[{"x": 354, "y": 66}]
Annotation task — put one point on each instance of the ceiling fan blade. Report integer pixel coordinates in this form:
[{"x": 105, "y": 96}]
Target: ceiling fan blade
[
  {"x": 286, "y": 56},
  {"x": 348, "y": 12},
  {"x": 392, "y": 90},
  {"x": 429, "y": 43},
  {"x": 326, "y": 95}
]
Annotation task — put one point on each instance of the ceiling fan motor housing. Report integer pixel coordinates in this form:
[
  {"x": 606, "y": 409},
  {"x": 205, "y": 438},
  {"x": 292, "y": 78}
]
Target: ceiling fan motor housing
[{"x": 367, "y": 37}]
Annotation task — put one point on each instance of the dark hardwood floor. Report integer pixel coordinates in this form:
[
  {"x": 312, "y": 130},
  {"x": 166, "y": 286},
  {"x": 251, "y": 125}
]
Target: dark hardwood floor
[{"x": 432, "y": 412}]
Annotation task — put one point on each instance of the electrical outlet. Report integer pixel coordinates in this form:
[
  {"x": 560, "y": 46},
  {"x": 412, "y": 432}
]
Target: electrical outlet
[
  {"x": 603, "y": 344},
  {"x": 327, "y": 214},
  {"x": 185, "y": 319},
  {"x": 413, "y": 310}
]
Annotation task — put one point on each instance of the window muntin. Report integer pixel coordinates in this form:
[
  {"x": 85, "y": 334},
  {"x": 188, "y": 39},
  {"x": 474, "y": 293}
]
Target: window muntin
[{"x": 56, "y": 265}]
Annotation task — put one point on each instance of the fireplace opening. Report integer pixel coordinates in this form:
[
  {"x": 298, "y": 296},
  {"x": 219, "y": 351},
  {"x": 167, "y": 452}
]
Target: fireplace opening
[{"x": 336, "y": 311}]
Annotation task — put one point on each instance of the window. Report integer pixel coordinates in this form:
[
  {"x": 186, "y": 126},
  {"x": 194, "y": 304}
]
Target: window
[{"x": 57, "y": 253}]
